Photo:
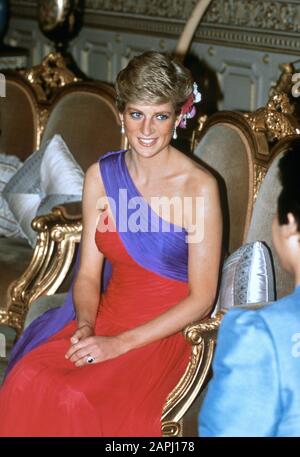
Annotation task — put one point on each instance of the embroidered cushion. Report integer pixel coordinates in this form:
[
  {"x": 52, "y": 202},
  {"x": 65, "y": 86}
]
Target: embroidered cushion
[
  {"x": 247, "y": 277},
  {"x": 49, "y": 177},
  {"x": 9, "y": 165}
]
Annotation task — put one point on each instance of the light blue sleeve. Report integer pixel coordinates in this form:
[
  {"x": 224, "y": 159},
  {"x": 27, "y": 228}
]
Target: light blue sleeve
[{"x": 243, "y": 395}]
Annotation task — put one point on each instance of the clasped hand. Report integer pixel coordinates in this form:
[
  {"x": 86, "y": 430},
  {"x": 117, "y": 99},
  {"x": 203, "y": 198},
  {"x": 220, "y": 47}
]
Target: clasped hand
[{"x": 84, "y": 343}]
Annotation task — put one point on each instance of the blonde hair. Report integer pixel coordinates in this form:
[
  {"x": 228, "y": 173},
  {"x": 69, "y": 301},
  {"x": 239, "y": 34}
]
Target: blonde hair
[{"x": 153, "y": 78}]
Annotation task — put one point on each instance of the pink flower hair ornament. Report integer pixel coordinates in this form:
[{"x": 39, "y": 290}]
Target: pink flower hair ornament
[{"x": 188, "y": 110}]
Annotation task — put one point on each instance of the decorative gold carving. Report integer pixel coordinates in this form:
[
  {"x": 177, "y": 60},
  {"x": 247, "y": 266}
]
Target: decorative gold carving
[
  {"x": 276, "y": 119},
  {"x": 52, "y": 258},
  {"x": 196, "y": 132},
  {"x": 42, "y": 119},
  {"x": 51, "y": 74},
  {"x": 259, "y": 174},
  {"x": 193, "y": 332},
  {"x": 171, "y": 429}
]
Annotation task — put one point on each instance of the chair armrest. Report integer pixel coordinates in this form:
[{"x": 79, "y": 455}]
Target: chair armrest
[
  {"x": 202, "y": 336},
  {"x": 68, "y": 212},
  {"x": 194, "y": 333},
  {"x": 58, "y": 233}
]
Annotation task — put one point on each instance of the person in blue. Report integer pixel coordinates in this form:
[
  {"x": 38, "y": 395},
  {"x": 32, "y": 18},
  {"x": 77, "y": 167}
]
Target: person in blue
[{"x": 255, "y": 389}]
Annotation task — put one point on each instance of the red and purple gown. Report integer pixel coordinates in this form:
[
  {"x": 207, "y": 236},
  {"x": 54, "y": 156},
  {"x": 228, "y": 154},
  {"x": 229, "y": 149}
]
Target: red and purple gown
[{"x": 46, "y": 395}]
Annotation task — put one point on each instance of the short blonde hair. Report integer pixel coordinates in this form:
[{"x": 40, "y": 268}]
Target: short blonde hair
[{"x": 153, "y": 78}]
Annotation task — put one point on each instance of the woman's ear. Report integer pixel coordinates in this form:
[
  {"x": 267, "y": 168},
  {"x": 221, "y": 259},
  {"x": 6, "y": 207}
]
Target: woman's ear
[
  {"x": 291, "y": 226},
  {"x": 178, "y": 120}
]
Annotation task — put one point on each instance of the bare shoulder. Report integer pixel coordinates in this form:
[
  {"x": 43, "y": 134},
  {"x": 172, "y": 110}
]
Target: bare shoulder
[
  {"x": 93, "y": 172},
  {"x": 202, "y": 181},
  {"x": 199, "y": 179},
  {"x": 93, "y": 179}
]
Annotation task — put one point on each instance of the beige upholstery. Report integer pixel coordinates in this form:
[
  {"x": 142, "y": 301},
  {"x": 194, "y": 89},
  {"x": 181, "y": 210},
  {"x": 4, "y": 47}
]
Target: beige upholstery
[
  {"x": 227, "y": 146},
  {"x": 19, "y": 118},
  {"x": 84, "y": 114}
]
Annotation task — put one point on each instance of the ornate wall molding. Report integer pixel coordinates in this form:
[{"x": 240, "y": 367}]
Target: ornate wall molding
[
  {"x": 266, "y": 15},
  {"x": 257, "y": 24}
]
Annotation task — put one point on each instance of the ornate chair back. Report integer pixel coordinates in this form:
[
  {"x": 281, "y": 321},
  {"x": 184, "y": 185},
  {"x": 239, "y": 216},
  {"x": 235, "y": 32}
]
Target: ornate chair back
[
  {"x": 19, "y": 117},
  {"x": 84, "y": 113}
]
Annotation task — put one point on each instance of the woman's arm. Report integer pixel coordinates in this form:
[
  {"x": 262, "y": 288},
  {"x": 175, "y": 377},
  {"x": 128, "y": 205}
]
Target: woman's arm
[
  {"x": 86, "y": 290},
  {"x": 203, "y": 271}
]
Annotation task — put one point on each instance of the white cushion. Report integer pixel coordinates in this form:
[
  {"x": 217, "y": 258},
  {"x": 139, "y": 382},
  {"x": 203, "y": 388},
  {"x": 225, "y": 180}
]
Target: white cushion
[
  {"x": 49, "y": 177},
  {"x": 247, "y": 277},
  {"x": 9, "y": 165}
]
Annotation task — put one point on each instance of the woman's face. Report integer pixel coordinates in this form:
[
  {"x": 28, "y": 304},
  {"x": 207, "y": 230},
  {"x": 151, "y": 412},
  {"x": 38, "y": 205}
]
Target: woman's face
[{"x": 149, "y": 128}]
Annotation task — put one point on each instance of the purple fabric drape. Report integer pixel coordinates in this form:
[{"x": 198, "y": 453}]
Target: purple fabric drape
[{"x": 151, "y": 241}]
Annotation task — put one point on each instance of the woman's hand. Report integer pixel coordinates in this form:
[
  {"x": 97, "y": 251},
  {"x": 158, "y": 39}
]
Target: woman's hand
[
  {"x": 82, "y": 332},
  {"x": 100, "y": 348}
]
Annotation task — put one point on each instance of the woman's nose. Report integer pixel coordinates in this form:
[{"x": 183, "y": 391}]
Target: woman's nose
[{"x": 147, "y": 127}]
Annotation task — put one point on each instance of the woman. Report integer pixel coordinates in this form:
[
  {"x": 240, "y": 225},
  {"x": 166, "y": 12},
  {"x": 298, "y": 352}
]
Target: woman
[
  {"x": 255, "y": 387},
  {"x": 108, "y": 372}
]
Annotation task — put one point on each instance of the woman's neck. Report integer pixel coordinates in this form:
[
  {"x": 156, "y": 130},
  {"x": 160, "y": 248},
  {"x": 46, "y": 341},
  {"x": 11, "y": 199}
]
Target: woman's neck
[{"x": 145, "y": 169}]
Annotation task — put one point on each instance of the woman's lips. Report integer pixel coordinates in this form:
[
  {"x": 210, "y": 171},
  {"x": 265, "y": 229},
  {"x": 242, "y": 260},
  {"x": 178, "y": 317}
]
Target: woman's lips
[{"x": 147, "y": 142}]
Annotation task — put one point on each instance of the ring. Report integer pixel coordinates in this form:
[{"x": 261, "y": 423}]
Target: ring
[{"x": 90, "y": 359}]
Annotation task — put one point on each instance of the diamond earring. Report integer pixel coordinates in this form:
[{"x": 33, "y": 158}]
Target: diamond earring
[
  {"x": 122, "y": 127},
  {"x": 174, "y": 133}
]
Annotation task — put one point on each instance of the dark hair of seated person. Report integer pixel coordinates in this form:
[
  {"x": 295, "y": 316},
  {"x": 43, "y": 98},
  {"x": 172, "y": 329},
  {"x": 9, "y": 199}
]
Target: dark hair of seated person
[{"x": 289, "y": 198}]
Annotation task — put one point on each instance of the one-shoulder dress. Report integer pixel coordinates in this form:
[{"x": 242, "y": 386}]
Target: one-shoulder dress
[{"x": 46, "y": 395}]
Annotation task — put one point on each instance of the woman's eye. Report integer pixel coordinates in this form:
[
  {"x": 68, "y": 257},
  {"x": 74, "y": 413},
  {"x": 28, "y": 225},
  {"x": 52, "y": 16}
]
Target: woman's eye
[
  {"x": 135, "y": 115},
  {"x": 162, "y": 117}
]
